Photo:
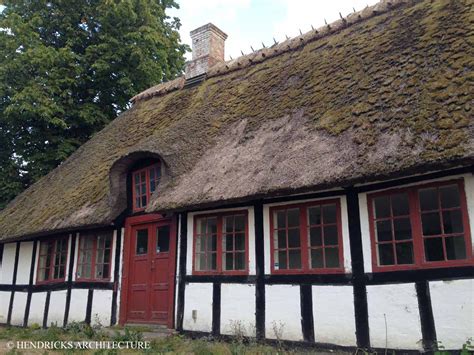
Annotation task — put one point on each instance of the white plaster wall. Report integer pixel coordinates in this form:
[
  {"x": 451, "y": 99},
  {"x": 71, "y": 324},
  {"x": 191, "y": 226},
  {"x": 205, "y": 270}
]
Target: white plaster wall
[
  {"x": 365, "y": 232},
  {"x": 333, "y": 314},
  {"x": 75, "y": 256},
  {"x": 57, "y": 306},
  {"x": 469, "y": 187},
  {"x": 4, "y": 304},
  {"x": 69, "y": 245},
  {"x": 18, "y": 311},
  {"x": 345, "y": 230},
  {"x": 238, "y": 309},
  {"x": 24, "y": 263},
  {"x": 112, "y": 256},
  {"x": 453, "y": 311},
  {"x": 198, "y": 296},
  {"x": 8, "y": 262},
  {"x": 251, "y": 236},
  {"x": 36, "y": 315},
  {"x": 119, "y": 283},
  {"x": 77, "y": 309},
  {"x": 101, "y": 307},
  {"x": 283, "y": 312},
  {"x": 395, "y": 305}
]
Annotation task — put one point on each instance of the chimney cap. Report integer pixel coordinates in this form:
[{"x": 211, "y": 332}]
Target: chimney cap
[{"x": 209, "y": 27}]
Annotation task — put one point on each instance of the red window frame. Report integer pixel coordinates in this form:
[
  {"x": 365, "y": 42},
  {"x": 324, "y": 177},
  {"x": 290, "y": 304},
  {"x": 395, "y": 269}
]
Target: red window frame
[
  {"x": 416, "y": 228},
  {"x": 148, "y": 192},
  {"x": 95, "y": 236},
  {"x": 52, "y": 255},
  {"x": 305, "y": 246},
  {"x": 219, "y": 250}
]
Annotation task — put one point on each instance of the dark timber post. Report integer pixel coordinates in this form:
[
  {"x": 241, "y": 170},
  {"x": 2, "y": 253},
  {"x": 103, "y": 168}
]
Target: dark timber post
[
  {"x": 260, "y": 271},
  {"x": 183, "y": 240},
  {"x": 15, "y": 272},
  {"x": 358, "y": 276},
  {"x": 30, "y": 284},
  {"x": 428, "y": 329},
  {"x": 307, "y": 321},
  {"x": 216, "y": 308}
]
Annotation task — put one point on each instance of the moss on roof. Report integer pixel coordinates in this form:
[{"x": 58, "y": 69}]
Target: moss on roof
[{"x": 388, "y": 95}]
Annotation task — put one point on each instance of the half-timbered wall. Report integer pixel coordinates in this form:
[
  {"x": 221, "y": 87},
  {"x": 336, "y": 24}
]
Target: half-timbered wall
[{"x": 411, "y": 310}]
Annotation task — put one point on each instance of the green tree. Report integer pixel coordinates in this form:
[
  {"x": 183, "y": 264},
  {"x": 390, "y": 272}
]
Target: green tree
[{"x": 67, "y": 68}]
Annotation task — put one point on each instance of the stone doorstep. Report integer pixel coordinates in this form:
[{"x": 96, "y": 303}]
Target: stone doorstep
[{"x": 155, "y": 331}]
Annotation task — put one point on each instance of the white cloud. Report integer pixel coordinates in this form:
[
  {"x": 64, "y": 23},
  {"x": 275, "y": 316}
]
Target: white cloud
[{"x": 251, "y": 22}]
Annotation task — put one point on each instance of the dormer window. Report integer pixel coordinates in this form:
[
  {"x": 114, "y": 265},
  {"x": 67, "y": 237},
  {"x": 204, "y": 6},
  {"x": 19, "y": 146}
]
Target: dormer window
[{"x": 144, "y": 181}]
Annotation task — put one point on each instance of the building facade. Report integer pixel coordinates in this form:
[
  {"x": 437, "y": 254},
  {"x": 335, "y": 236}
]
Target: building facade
[{"x": 320, "y": 191}]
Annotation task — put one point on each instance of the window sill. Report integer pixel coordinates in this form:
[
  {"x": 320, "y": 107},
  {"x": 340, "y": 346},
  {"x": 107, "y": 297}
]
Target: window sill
[
  {"x": 308, "y": 271},
  {"x": 423, "y": 266}
]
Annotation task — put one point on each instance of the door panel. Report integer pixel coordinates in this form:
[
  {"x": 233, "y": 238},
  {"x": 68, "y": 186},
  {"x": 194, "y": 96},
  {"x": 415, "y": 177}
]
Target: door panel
[{"x": 150, "y": 286}]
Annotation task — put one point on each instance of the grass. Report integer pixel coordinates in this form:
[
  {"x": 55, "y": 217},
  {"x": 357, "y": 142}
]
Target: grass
[{"x": 175, "y": 344}]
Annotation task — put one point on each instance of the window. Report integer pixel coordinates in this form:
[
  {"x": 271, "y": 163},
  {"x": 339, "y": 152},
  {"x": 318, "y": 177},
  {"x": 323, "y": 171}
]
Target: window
[
  {"x": 307, "y": 238},
  {"x": 145, "y": 182},
  {"x": 52, "y": 260},
  {"x": 94, "y": 257},
  {"x": 221, "y": 243},
  {"x": 420, "y": 226}
]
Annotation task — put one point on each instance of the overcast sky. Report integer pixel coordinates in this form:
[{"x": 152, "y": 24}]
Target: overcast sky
[{"x": 249, "y": 22}]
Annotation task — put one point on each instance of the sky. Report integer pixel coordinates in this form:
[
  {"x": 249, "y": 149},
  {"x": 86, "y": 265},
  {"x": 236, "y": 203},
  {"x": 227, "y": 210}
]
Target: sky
[{"x": 251, "y": 22}]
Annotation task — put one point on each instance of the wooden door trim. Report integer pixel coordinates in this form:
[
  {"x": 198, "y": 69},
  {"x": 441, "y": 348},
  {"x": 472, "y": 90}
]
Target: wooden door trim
[{"x": 148, "y": 219}]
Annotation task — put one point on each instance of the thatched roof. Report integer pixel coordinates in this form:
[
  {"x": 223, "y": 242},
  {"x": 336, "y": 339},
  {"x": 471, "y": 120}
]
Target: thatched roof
[{"x": 383, "y": 93}]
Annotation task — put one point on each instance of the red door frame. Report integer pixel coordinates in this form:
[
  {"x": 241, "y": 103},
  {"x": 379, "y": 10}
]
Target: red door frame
[{"x": 140, "y": 220}]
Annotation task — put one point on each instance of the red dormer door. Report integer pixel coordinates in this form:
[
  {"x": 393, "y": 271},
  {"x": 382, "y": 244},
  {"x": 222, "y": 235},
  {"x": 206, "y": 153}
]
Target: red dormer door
[{"x": 149, "y": 269}]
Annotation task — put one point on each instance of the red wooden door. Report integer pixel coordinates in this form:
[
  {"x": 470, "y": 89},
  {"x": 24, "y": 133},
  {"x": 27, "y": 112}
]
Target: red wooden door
[{"x": 148, "y": 276}]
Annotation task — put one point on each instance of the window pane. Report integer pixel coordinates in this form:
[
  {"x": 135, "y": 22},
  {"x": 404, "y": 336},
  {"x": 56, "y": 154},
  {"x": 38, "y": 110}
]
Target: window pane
[
  {"x": 314, "y": 215},
  {"x": 400, "y": 204},
  {"x": 384, "y": 231},
  {"x": 143, "y": 201},
  {"x": 280, "y": 260},
  {"x": 404, "y": 253},
  {"x": 332, "y": 257},
  {"x": 402, "y": 228},
  {"x": 240, "y": 223},
  {"x": 212, "y": 243},
  {"x": 431, "y": 223},
  {"x": 455, "y": 248},
  {"x": 142, "y": 242},
  {"x": 163, "y": 242},
  {"x": 315, "y": 236},
  {"x": 382, "y": 207},
  {"x": 317, "y": 258},
  {"x": 85, "y": 271},
  {"x": 386, "y": 256},
  {"x": 201, "y": 262},
  {"x": 228, "y": 242},
  {"x": 239, "y": 241},
  {"x": 201, "y": 244},
  {"x": 449, "y": 196},
  {"x": 212, "y": 226},
  {"x": 239, "y": 261},
  {"x": 281, "y": 239},
  {"x": 280, "y": 219},
  {"x": 293, "y": 238},
  {"x": 434, "y": 249},
  {"x": 294, "y": 259},
  {"x": 228, "y": 261},
  {"x": 213, "y": 260},
  {"x": 329, "y": 214},
  {"x": 452, "y": 221},
  {"x": 229, "y": 224},
  {"x": 330, "y": 235},
  {"x": 293, "y": 217},
  {"x": 428, "y": 199}
]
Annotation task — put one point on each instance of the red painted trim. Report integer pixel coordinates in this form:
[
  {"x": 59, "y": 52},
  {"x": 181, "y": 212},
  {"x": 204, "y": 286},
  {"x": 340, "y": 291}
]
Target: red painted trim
[
  {"x": 130, "y": 223},
  {"x": 219, "y": 216},
  {"x": 304, "y": 245},
  {"x": 417, "y": 231},
  {"x": 94, "y": 257},
  {"x": 147, "y": 183},
  {"x": 51, "y": 268}
]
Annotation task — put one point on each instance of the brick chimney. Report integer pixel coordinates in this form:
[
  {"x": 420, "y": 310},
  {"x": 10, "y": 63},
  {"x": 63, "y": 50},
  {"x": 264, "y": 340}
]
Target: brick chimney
[{"x": 208, "y": 49}]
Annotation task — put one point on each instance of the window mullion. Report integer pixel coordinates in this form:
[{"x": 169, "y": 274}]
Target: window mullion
[
  {"x": 304, "y": 245},
  {"x": 219, "y": 245},
  {"x": 417, "y": 232},
  {"x": 94, "y": 257}
]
